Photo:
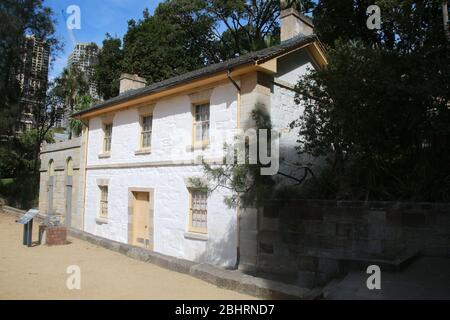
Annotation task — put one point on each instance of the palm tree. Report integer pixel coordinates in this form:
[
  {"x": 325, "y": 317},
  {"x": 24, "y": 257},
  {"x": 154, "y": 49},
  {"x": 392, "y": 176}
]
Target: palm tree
[
  {"x": 69, "y": 85},
  {"x": 82, "y": 102},
  {"x": 445, "y": 17}
]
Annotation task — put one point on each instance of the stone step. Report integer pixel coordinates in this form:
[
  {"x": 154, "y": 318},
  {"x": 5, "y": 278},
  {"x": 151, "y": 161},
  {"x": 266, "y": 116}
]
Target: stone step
[{"x": 360, "y": 262}]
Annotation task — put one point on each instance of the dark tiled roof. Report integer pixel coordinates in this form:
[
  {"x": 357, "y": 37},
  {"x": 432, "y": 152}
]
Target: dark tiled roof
[{"x": 264, "y": 54}]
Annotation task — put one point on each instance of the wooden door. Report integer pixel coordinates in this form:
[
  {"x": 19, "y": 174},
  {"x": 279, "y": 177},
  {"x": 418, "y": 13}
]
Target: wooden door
[{"x": 142, "y": 220}]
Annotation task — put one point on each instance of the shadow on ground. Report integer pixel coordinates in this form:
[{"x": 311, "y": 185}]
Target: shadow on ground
[{"x": 427, "y": 278}]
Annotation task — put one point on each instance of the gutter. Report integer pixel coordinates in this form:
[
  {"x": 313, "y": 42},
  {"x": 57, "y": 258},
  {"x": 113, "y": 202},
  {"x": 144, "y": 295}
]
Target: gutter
[{"x": 232, "y": 80}]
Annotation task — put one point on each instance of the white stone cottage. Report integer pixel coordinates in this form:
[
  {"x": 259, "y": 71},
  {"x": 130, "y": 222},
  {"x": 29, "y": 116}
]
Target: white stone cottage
[{"x": 142, "y": 148}]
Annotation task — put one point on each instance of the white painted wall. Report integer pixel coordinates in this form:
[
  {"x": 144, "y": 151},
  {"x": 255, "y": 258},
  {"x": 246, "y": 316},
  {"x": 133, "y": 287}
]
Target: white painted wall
[
  {"x": 172, "y": 130},
  {"x": 284, "y": 110},
  {"x": 172, "y": 133},
  {"x": 171, "y": 207}
]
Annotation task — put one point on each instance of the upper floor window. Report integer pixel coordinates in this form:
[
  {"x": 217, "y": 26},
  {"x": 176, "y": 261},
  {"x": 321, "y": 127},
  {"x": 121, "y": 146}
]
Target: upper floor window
[
  {"x": 107, "y": 137},
  {"x": 146, "y": 134},
  {"x": 201, "y": 122}
]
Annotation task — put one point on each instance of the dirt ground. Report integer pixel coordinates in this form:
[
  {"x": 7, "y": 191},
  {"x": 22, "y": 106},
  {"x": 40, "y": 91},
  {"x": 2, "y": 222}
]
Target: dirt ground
[{"x": 40, "y": 273}]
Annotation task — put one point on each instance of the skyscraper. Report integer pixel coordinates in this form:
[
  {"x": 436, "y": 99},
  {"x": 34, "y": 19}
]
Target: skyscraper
[
  {"x": 84, "y": 56},
  {"x": 33, "y": 79}
]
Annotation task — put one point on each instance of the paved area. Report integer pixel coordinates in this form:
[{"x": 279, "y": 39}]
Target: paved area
[
  {"x": 40, "y": 273},
  {"x": 426, "y": 279}
]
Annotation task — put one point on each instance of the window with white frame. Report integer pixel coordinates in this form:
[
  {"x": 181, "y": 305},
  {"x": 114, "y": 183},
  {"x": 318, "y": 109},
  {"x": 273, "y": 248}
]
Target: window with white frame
[
  {"x": 201, "y": 123},
  {"x": 146, "y": 134},
  {"x": 107, "y": 137},
  {"x": 198, "y": 214},
  {"x": 103, "y": 214}
]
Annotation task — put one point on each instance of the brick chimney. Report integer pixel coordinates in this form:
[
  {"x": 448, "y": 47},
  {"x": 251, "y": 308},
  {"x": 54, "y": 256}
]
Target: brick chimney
[
  {"x": 131, "y": 82},
  {"x": 293, "y": 23}
]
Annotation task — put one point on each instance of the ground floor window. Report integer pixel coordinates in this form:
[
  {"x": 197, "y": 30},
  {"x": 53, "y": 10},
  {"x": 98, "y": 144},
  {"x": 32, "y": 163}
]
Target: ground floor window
[
  {"x": 198, "y": 212},
  {"x": 103, "y": 202}
]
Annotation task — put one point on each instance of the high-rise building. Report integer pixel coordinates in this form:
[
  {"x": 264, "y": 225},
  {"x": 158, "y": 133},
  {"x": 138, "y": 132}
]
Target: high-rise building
[
  {"x": 84, "y": 56},
  {"x": 33, "y": 79}
]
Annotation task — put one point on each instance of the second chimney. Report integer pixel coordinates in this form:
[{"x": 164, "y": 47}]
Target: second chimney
[
  {"x": 131, "y": 82},
  {"x": 294, "y": 23}
]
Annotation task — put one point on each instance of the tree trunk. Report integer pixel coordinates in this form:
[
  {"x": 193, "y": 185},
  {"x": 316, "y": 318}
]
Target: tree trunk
[{"x": 445, "y": 18}]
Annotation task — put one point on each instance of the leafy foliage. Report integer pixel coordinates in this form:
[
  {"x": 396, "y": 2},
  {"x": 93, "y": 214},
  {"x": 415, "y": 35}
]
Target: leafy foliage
[
  {"x": 169, "y": 42},
  {"x": 379, "y": 111},
  {"x": 82, "y": 102},
  {"x": 184, "y": 35},
  {"x": 18, "y": 19},
  {"x": 248, "y": 187},
  {"x": 69, "y": 86},
  {"x": 108, "y": 68}
]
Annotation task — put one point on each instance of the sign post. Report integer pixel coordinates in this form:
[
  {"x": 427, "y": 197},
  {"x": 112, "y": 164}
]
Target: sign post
[{"x": 27, "y": 221}]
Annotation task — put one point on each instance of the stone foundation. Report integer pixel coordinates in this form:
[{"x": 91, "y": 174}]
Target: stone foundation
[{"x": 311, "y": 242}]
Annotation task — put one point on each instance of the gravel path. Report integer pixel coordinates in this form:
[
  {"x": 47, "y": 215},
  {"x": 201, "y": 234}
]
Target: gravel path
[{"x": 40, "y": 273}]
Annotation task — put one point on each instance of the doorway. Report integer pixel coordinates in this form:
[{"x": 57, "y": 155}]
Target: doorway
[{"x": 141, "y": 226}]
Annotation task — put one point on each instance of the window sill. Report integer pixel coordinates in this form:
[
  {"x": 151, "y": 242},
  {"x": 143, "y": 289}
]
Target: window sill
[
  {"x": 143, "y": 152},
  {"x": 196, "y": 236},
  {"x": 105, "y": 155},
  {"x": 101, "y": 220},
  {"x": 198, "y": 146}
]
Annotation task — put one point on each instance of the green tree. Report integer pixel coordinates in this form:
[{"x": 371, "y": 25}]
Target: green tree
[
  {"x": 184, "y": 35},
  {"x": 249, "y": 188},
  {"x": 19, "y": 18},
  {"x": 109, "y": 67},
  {"x": 68, "y": 86},
  {"x": 379, "y": 111},
  {"x": 82, "y": 102},
  {"x": 168, "y": 43}
]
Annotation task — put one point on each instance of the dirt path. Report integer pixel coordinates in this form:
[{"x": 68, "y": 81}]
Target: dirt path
[{"x": 40, "y": 273}]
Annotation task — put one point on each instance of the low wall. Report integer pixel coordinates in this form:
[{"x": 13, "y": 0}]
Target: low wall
[
  {"x": 61, "y": 201},
  {"x": 311, "y": 239}
]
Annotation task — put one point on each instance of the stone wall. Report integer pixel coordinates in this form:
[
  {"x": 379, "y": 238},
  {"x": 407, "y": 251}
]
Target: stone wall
[
  {"x": 59, "y": 154},
  {"x": 312, "y": 241}
]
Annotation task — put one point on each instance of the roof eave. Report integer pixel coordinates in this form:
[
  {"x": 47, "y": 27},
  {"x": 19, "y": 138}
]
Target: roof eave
[{"x": 259, "y": 64}]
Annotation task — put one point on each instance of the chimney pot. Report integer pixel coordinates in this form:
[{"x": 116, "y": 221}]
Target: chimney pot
[
  {"x": 294, "y": 23},
  {"x": 131, "y": 82}
]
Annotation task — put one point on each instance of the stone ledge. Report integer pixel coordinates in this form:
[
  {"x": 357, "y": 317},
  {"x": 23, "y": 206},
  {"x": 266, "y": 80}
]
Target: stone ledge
[
  {"x": 101, "y": 220},
  {"x": 105, "y": 155},
  {"x": 228, "y": 279},
  {"x": 143, "y": 152},
  {"x": 196, "y": 236}
]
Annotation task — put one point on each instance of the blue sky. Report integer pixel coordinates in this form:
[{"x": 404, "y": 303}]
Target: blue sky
[{"x": 97, "y": 18}]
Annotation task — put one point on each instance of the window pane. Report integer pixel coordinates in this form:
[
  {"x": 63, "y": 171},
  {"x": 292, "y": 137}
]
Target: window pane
[
  {"x": 104, "y": 202},
  {"x": 205, "y": 131},
  {"x": 199, "y": 209},
  {"x": 147, "y": 123},
  {"x": 198, "y": 132},
  {"x": 146, "y": 139},
  {"x": 108, "y": 137},
  {"x": 202, "y": 122}
]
